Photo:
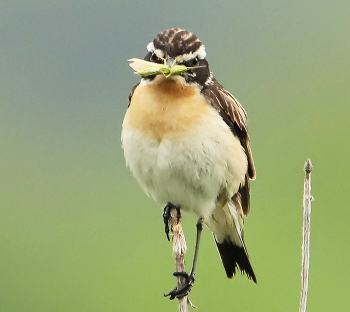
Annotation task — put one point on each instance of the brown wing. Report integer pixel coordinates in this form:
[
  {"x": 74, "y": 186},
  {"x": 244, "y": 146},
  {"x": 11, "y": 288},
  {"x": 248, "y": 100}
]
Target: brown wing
[
  {"x": 233, "y": 113},
  {"x": 132, "y": 92}
]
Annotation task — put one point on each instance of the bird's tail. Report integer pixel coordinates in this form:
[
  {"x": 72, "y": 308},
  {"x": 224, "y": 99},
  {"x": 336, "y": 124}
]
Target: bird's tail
[
  {"x": 234, "y": 256},
  {"x": 226, "y": 223}
]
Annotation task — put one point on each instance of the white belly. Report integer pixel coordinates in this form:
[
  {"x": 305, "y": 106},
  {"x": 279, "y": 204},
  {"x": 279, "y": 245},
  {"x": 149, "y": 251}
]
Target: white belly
[{"x": 189, "y": 170}]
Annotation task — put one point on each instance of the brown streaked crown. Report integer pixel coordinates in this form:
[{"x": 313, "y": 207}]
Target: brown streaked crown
[{"x": 175, "y": 42}]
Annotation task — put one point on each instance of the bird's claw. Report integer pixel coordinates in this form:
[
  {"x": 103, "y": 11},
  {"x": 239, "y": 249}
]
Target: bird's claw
[
  {"x": 182, "y": 292},
  {"x": 166, "y": 217}
]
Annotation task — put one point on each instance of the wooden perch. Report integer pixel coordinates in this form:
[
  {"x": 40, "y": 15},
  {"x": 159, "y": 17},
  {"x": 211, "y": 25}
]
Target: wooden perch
[{"x": 179, "y": 249}]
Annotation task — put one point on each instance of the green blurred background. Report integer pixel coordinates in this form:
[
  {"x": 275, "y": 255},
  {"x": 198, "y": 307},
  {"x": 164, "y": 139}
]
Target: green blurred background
[{"x": 77, "y": 233}]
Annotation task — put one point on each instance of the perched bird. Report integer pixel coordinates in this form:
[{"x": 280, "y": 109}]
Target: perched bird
[{"x": 185, "y": 140}]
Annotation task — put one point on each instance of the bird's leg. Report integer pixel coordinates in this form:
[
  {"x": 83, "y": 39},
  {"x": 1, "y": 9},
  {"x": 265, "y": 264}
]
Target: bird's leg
[
  {"x": 189, "y": 278},
  {"x": 166, "y": 216}
]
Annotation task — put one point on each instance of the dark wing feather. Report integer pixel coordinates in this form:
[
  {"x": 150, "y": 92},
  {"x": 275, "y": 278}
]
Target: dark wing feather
[
  {"x": 233, "y": 113},
  {"x": 132, "y": 92}
]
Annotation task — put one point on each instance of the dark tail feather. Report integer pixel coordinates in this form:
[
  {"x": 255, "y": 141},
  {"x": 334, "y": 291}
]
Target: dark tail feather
[{"x": 233, "y": 256}]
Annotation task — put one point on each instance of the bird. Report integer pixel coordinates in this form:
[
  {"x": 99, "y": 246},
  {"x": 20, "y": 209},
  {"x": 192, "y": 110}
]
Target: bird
[{"x": 186, "y": 142}]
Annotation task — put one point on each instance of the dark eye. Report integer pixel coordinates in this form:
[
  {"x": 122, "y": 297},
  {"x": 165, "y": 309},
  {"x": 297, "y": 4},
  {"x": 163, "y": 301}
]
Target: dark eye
[
  {"x": 155, "y": 59},
  {"x": 194, "y": 62}
]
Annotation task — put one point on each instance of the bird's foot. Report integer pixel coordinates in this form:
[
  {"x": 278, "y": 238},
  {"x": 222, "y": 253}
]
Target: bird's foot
[
  {"x": 166, "y": 216},
  {"x": 182, "y": 292}
]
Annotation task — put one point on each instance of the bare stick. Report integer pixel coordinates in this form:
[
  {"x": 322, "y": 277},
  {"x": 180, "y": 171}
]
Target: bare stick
[
  {"x": 307, "y": 198},
  {"x": 179, "y": 249}
]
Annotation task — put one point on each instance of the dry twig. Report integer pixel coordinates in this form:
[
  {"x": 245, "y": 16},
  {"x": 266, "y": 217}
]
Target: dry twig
[
  {"x": 179, "y": 249},
  {"x": 307, "y": 198}
]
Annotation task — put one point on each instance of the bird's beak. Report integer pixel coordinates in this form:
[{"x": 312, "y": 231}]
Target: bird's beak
[{"x": 170, "y": 61}]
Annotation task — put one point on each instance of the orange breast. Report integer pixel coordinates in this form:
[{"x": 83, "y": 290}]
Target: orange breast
[{"x": 166, "y": 109}]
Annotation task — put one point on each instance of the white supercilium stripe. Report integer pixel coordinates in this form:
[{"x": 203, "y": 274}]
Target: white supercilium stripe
[
  {"x": 158, "y": 52},
  {"x": 200, "y": 53}
]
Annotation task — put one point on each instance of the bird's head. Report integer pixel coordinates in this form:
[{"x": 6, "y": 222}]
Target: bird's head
[{"x": 182, "y": 51}]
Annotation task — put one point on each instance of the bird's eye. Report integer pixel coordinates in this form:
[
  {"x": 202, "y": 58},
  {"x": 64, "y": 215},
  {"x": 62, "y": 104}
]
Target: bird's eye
[
  {"x": 155, "y": 59},
  {"x": 195, "y": 61}
]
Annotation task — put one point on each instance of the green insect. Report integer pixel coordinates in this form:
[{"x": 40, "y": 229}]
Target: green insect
[{"x": 145, "y": 68}]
